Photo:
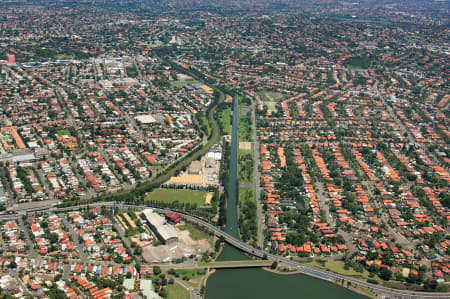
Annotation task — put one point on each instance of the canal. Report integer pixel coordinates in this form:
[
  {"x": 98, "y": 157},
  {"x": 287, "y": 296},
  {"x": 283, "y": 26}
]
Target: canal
[{"x": 258, "y": 283}]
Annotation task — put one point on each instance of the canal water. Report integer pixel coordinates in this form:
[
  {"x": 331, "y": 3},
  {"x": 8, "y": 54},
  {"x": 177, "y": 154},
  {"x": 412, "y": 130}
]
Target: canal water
[
  {"x": 232, "y": 214},
  {"x": 258, "y": 283}
]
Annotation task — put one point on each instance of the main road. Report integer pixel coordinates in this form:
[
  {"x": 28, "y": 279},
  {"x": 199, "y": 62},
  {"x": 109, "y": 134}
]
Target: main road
[{"x": 304, "y": 268}]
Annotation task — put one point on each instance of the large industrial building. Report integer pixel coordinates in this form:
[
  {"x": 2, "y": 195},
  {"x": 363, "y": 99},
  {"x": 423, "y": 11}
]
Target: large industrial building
[
  {"x": 200, "y": 174},
  {"x": 165, "y": 232}
]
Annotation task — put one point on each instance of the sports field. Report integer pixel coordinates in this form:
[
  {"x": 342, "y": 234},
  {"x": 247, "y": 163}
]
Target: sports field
[
  {"x": 245, "y": 146},
  {"x": 180, "y": 195}
]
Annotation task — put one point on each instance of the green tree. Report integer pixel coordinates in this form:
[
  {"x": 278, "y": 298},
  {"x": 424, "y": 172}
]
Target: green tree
[
  {"x": 156, "y": 270},
  {"x": 12, "y": 265},
  {"x": 385, "y": 274}
]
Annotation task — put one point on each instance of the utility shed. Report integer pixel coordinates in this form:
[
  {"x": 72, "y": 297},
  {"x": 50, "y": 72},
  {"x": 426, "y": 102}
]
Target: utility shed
[
  {"x": 173, "y": 218},
  {"x": 159, "y": 226}
]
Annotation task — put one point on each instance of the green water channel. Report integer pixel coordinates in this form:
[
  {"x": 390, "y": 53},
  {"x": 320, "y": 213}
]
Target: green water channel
[{"x": 258, "y": 283}]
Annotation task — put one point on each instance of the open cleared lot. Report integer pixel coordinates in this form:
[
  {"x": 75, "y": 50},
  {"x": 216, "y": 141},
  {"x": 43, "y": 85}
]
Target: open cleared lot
[
  {"x": 195, "y": 233},
  {"x": 189, "y": 243},
  {"x": 177, "y": 195}
]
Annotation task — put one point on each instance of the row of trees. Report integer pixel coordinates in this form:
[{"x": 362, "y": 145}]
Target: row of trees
[{"x": 223, "y": 177}]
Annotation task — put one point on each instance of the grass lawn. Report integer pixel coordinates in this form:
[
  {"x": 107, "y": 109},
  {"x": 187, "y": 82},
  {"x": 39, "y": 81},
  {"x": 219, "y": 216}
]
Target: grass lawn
[
  {"x": 177, "y": 291},
  {"x": 271, "y": 96},
  {"x": 401, "y": 286},
  {"x": 158, "y": 168},
  {"x": 245, "y": 131},
  {"x": 365, "y": 291},
  {"x": 205, "y": 124},
  {"x": 172, "y": 195},
  {"x": 63, "y": 57},
  {"x": 248, "y": 227},
  {"x": 191, "y": 273},
  {"x": 196, "y": 233},
  {"x": 270, "y": 106},
  {"x": 63, "y": 132},
  {"x": 338, "y": 267},
  {"x": 178, "y": 83},
  {"x": 245, "y": 167},
  {"x": 244, "y": 123},
  {"x": 193, "y": 277},
  {"x": 225, "y": 120},
  {"x": 246, "y": 194}
]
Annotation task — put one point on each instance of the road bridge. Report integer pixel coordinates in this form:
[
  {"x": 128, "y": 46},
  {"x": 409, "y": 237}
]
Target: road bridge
[
  {"x": 304, "y": 268},
  {"x": 237, "y": 265}
]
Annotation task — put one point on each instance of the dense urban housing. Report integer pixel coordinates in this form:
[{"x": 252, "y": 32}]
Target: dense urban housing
[{"x": 146, "y": 146}]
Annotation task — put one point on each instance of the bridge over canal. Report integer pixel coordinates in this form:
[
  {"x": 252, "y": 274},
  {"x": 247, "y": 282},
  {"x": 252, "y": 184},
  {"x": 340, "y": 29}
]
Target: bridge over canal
[{"x": 302, "y": 267}]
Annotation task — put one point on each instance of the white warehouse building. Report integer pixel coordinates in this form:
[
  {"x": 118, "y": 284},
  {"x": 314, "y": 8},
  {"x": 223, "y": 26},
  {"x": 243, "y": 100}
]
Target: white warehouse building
[{"x": 165, "y": 232}]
